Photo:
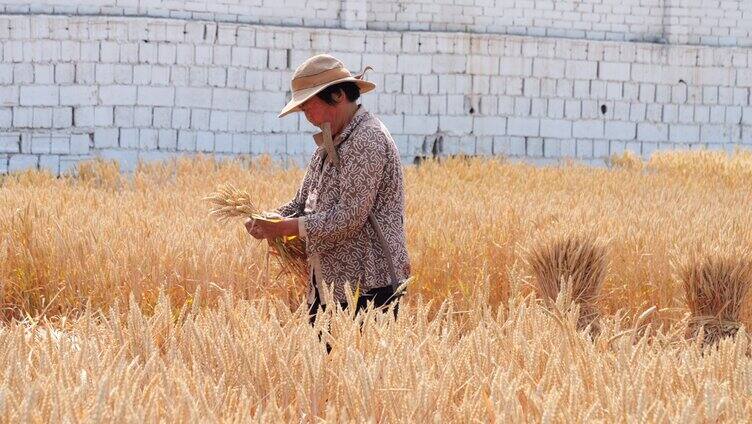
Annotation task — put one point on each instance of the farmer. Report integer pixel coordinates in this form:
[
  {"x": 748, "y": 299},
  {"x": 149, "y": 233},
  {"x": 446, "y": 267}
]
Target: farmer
[{"x": 350, "y": 207}]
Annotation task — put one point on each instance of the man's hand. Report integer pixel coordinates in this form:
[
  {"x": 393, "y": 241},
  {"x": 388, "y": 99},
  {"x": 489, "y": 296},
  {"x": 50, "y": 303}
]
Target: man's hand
[
  {"x": 262, "y": 229},
  {"x": 255, "y": 230}
]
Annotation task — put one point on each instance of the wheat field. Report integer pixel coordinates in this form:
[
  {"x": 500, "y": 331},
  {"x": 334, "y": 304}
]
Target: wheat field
[{"x": 122, "y": 300}]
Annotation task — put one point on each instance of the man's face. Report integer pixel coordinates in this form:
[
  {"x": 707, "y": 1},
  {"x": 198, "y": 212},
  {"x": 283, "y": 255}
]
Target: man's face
[{"x": 317, "y": 111}]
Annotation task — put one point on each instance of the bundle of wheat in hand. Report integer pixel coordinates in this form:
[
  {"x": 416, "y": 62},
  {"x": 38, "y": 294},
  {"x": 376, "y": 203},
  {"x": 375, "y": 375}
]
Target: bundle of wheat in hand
[{"x": 229, "y": 202}]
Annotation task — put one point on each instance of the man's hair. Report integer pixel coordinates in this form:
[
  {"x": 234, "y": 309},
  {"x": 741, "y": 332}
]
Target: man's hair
[{"x": 351, "y": 90}]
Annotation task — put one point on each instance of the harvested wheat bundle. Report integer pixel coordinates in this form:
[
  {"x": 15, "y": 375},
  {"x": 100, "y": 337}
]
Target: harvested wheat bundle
[
  {"x": 228, "y": 202},
  {"x": 716, "y": 284},
  {"x": 574, "y": 265}
]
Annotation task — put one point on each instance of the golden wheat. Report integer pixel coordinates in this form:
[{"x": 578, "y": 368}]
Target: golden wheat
[
  {"x": 572, "y": 266},
  {"x": 123, "y": 301},
  {"x": 228, "y": 202}
]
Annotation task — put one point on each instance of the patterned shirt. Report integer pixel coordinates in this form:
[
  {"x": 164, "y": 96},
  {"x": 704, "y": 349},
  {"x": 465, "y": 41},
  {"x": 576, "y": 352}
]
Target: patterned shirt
[{"x": 333, "y": 206}]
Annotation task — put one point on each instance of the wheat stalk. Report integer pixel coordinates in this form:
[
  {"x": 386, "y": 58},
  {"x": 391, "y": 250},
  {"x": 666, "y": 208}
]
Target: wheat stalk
[
  {"x": 716, "y": 284},
  {"x": 572, "y": 265},
  {"x": 229, "y": 202}
]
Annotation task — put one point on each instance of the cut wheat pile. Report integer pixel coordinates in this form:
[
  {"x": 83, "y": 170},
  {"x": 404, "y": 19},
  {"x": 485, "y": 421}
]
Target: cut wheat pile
[{"x": 122, "y": 300}]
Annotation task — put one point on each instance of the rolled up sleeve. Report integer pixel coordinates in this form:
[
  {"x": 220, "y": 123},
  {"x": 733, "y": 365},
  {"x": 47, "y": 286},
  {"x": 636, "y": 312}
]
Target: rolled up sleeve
[{"x": 359, "y": 178}]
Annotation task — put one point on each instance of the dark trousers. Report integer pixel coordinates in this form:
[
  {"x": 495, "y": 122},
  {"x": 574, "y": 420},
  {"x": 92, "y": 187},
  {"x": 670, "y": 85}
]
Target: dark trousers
[{"x": 380, "y": 298}]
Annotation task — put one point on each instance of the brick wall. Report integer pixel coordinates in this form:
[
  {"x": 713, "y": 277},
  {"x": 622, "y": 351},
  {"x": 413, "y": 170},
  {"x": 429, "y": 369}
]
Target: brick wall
[
  {"x": 695, "y": 22},
  {"x": 127, "y": 88}
]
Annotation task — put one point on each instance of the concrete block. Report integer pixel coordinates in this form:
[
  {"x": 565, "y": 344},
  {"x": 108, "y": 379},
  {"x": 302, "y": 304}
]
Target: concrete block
[
  {"x": 614, "y": 71},
  {"x": 555, "y": 128},
  {"x": 551, "y": 147},
  {"x": 516, "y": 66},
  {"x": 162, "y": 117},
  {"x": 124, "y": 116},
  {"x": 142, "y": 74},
  {"x": 105, "y": 138},
  {"x": 105, "y": 73},
  {"x": 193, "y": 97},
  {"x": 482, "y": 65},
  {"x": 718, "y": 134},
  {"x": 186, "y": 141},
  {"x": 6, "y": 117},
  {"x": 617, "y": 130},
  {"x": 40, "y": 143},
  {"x": 584, "y": 148},
  {"x": 42, "y": 117},
  {"x": 118, "y": 95},
  {"x": 167, "y": 139},
  {"x": 523, "y": 126},
  {"x": 601, "y": 149},
  {"x": 456, "y": 125},
  {"x": 230, "y": 99},
  {"x": 655, "y": 132},
  {"x": 489, "y": 125},
  {"x": 50, "y": 163},
  {"x": 616, "y": 147},
  {"x": 110, "y": 51},
  {"x": 62, "y": 117},
  {"x": 684, "y": 133},
  {"x": 129, "y": 138},
  {"x": 156, "y": 96},
  {"x": 267, "y": 101},
  {"x": 103, "y": 116},
  {"x": 79, "y": 144},
  {"x": 548, "y": 68},
  {"x": 23, "y": 117},
  {"x": 219, "y": 120},
  {"x": 147, "y": 139},
  {"x": 588, "y": 129},
  {"x": 413, "y": 64},
  {"x": 204, "y": 141},
  {"x": 6, "y": 74},
  {"x": 568, "y": 147},
  {"x": 534, "y": 147},
  {"x": 581, "y": 70},
  {"x": 60, "y": 145},
  {"x": 223, "y": 143},
  {"x": 167, "y": 53},
  {"x": 484, "y": 146},
  {"x": 394, "y": 123},
  {"x": 421, "y": 125},
  {"x": 142, "y": 116},
  {"x": 241, "y": 143},
  {"x": 10, "y": 143},
  {"x": 18, "y": 163},
  {"x": 181, "y": 118},
  {"x": 517, "y": 146},
  {"x": 39, "y": 96}
]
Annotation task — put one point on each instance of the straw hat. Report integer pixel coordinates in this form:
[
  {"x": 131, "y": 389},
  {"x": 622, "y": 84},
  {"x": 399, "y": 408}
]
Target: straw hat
[{"x": 317, "y": 73}]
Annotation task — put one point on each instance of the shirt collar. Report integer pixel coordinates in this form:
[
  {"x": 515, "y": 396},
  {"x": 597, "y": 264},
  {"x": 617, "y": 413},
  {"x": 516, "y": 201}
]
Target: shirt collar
[{"x": 360, "y": 114}]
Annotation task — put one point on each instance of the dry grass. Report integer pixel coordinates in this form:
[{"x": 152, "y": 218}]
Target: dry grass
[{"x": 471, "y": 344}]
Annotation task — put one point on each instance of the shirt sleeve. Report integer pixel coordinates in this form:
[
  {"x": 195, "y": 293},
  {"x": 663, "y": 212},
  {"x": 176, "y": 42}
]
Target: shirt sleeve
[
  {"x": 296, "y": 206},
  {"x": 362, "y": 168}
]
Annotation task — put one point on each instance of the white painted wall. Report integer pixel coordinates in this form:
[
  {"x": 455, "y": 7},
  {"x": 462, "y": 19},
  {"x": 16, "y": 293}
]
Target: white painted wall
[
  {"x": 695, "y": 22},
  {"x": 129, "y": 88}
]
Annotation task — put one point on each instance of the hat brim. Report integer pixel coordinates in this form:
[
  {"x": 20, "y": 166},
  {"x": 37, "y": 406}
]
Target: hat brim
[{"x": 300, "y": 96}]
